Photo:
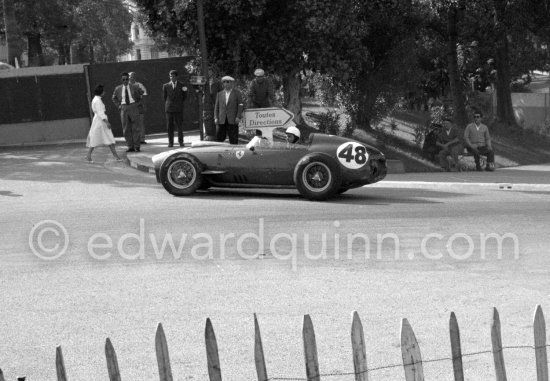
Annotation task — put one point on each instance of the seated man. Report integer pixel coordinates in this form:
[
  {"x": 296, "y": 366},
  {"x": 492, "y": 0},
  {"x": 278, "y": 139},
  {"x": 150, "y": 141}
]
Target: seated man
[
  {"x": 478, "y": 142},
  {"x": 449, "y": 142},
  {"x": 292, "y": 135}
]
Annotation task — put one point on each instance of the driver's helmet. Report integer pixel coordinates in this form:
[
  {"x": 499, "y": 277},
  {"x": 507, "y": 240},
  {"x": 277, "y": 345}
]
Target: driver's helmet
[{"x": 295, "y": 132}]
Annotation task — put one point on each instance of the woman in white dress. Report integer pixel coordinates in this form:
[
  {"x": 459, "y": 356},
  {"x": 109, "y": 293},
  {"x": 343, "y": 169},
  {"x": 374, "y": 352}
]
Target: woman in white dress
[{"x": 100, "y": 132}]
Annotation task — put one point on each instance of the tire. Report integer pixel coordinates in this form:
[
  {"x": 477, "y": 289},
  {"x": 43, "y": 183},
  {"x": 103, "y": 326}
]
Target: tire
[
  {"x": 181, "y": 176},
  {"x": 317, "y": 177}
]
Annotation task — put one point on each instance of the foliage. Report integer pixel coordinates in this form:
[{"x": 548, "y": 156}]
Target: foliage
[
  {"x": 101, "y": 27},
  {"x": 329, "y": 122}
]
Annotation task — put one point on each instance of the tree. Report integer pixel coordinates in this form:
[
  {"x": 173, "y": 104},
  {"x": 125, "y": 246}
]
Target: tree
[{"x": 101, "y": 27}]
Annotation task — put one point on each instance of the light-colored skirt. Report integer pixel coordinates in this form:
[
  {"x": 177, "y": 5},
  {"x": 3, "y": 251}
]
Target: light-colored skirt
[{"x": 100, "y": 134}]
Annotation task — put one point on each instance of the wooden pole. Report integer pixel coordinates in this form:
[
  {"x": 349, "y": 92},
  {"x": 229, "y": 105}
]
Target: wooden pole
[
  {"x": 310, "y": 350},
  {"x": 163, "y": 357},
  {"x": 259, "y": 357},
  {"x": 410, "y": 352},
  {"x": 456, "y": 349},
  {"x": 359, "y": 349},
  {"x": 212, "y": 355},
  {"x": 496, "y": 339},
  {"x": 539, "y": 330},
  {"x": 60, "y": 365},
  {"x": 112, "y": 362}
]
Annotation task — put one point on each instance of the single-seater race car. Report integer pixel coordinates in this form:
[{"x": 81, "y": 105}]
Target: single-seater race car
[{"x": 320, "y": 167}]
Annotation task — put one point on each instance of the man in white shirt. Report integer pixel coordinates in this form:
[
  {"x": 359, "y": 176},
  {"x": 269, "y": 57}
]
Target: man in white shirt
[
  {"x": 126, "y": 98},
  {"x": 141, "y": 106},
  {"x": 228, "y": 111}
]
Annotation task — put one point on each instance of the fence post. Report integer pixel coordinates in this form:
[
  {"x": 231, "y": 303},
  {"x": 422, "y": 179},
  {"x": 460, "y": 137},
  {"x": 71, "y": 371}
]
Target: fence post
[
  {"x": 496, "y": 340},
  {"x": 163, "y": 357},
  {"x": 456, "y": 350},
  {"x": 310, "y": 350},
  {"x": 60, "y": 365},
  {"x": 539, "y": 328},
  {"x": 2, "y": 375},
  {"x": 259, "y": 357},
  {"x": 358, "y": 348},
  {"x": 112, "y": 362},
  {"x": 410, "y": 351},
  {"x": 212, "y": 356}
]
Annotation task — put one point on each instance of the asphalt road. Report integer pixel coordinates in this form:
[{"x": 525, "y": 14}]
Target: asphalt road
[{"x": 96, "y": 251}]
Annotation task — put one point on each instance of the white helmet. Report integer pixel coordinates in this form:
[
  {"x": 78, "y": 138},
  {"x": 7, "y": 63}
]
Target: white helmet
[{"x": 294, "y": 131}]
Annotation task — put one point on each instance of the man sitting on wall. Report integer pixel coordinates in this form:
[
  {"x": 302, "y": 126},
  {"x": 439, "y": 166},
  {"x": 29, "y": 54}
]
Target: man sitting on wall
[{"x": 478, "y": 141}]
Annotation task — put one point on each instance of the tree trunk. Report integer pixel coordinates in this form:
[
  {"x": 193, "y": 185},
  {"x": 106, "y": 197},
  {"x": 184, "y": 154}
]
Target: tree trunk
[
  {"x": 36, "y": 58},
  {"x": 13, "y": 34},
  {"x": 457, "y": 88},
  {"x": 505, "y": 111},
  {"x": 291, "y": 89}
]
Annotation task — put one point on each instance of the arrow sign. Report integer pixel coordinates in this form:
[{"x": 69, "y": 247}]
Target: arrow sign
[{"x": 256, "y": 118}]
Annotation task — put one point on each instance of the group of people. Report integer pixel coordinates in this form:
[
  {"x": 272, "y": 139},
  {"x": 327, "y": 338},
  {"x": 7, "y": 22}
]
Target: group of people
[
  {"x": 476, "y": 139},
  {"x": 129, "y": 96}
]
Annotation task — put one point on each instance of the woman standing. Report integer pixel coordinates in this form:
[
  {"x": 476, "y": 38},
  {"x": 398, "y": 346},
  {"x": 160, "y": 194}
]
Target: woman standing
[{"x": 100, "y": 132}]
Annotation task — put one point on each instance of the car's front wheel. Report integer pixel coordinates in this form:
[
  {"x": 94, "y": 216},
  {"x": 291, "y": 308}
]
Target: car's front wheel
[
  {"x": 181, "y": 176},
  {"x": 317, "y": 177}
]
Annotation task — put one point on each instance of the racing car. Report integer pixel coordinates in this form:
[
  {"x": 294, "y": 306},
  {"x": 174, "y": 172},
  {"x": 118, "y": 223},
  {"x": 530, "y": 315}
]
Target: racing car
[{"x": 319, "y": 167}]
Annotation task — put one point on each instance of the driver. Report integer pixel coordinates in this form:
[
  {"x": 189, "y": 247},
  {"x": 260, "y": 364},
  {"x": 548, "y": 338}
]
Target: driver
[{"x": 292, "y": 135}]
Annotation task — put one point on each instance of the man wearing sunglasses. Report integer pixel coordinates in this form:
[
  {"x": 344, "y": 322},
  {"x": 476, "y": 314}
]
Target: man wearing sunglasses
[
  {"x": 478, "y": 142},
  {"x": 127, "y": 97}
]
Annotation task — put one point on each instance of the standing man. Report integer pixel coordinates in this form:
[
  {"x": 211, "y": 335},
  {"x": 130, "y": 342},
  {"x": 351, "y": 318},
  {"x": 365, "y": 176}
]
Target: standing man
[
  {"x": 141, "y": 106},
  {"x": 174, "y": 94},
  {"x": 449, "y": 142},
  {"x": 260, "y": 93},
  {"x": 228, "y": 110},
  {"x": 478, "y": 141},
  {"x": 127, "y": 97}
]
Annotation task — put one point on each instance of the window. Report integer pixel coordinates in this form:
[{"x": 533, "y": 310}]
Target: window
[
  {"x": 136, "y": 32},
  {"x": 138, "y": 54}
]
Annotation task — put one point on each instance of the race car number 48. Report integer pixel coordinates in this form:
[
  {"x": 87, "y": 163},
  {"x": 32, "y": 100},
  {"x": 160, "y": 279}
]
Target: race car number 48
[{"x": 352, "y": 155}]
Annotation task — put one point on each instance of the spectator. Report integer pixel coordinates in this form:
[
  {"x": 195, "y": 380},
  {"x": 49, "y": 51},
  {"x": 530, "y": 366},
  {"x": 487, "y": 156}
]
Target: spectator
[
  {"x": 228, "y": 110},
  {"x": 449, "y": 142},
  {"x": 141, "y": 106},
  {"x": 127, "y": 97},
  {"x": 100, "y": 132},
  {"x": 478, "y": 142},
  {"x": 174, "y": 94},
  {"x": 260, "y": 93}
]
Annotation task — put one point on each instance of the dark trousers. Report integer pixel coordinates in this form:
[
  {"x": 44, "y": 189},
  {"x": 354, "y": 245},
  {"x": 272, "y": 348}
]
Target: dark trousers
[
  {"x": 485, "y": 151},
  {"x": 174, "y": 120},
  {"x": 129, "y": 116},
  {"x": 230, "y": 130},
  {"x": 452, "y": 151}
]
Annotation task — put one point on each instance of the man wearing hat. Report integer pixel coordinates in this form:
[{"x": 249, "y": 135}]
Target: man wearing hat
[
  {"x": 174, "y": 94},
  {"x": 260, "y": 93},
  {"x": 228, "y": 110}
]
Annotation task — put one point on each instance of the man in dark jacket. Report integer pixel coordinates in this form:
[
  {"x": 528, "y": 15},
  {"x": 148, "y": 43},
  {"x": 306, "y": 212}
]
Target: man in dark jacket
[
  {"x": 174, "y": 94},
  {"x": 260, "y": 93}
]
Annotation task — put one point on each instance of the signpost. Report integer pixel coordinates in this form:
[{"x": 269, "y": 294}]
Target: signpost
[
  {"x": 266, "y": 119},
  {"x": 198, "y": 81}
]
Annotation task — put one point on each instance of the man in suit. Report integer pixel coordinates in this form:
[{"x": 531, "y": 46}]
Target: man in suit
[
  {"x": 174, "y": 94},
  {"x": 228, "y": 110},
  {"x": 126, "y": 98}
]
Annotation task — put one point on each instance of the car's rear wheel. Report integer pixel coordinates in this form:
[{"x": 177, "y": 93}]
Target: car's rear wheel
[
  {"x": 317, "y": 177},
  {"x": 181, "y": 176}
]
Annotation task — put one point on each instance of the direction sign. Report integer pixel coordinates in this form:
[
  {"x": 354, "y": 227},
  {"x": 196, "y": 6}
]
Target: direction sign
[{"x": 257, "y": 118}]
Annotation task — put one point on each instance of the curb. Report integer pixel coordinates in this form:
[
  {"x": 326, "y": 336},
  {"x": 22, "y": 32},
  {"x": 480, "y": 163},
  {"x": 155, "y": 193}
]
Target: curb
[
  {"x": 453, "y": 186},
  {"x": 141, "y": 167}
]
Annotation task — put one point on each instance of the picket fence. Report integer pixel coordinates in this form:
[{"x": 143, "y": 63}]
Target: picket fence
[{"x": 410, "y": 350}]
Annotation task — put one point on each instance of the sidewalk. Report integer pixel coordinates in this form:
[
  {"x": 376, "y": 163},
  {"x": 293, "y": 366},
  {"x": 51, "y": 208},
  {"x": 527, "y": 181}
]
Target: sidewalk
[{"x": 530, "y": 177}]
